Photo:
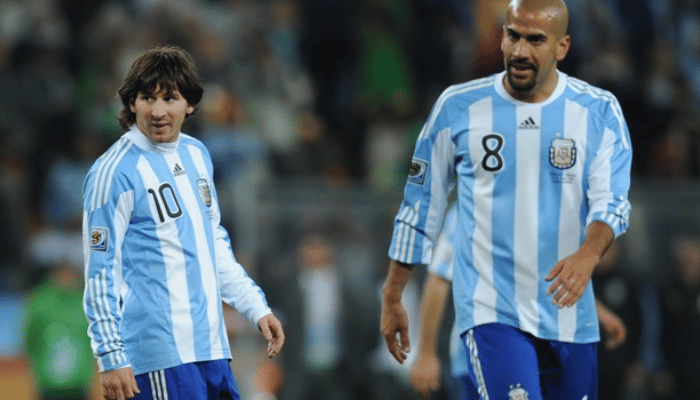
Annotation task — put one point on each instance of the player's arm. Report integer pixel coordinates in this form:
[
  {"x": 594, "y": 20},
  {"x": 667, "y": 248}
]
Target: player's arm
[
  {"x": 104, "y": 229},
  {"x": 430, "y": 179},
  {"x": 425, "y": 372},
  {"x": 571, "y": 275},
  {"x": 394, "y": 320},
  {"x": 613, "y": 326},
  {"x": 608, "y": 186}
]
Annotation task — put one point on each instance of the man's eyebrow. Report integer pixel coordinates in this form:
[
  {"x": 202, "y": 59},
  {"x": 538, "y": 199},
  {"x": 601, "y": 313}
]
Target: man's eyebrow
[{"x": 530, "y": 36}]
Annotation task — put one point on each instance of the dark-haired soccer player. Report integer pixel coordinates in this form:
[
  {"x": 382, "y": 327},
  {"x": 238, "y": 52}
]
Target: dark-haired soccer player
[{"x": 158, "y": 262}]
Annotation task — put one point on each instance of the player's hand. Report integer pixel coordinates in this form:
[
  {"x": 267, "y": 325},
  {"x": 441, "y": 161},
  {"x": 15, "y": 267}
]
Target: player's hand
[
  {"x": 613, "y": 328},
  {"x": 271, "y": 329},
  {"x": 571, "y": 275},
  {"x": 119, "y": 384},
  {"x": 395, "y": 322},
  {"x": 425, "y": 373}
]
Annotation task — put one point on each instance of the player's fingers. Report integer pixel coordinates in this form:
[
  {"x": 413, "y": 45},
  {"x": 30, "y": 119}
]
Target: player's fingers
[
  {"x": 278, "y": 339},
  {"x": 265, "y": 330},
  {"x": 108, "y": 392},
  {"x": 560, "y": 297},
  {"x": 393, "y": 345},
  {"x": 135, "y": 386},
  {"x": 405, "y": 341},
  {"x": 554, "y": 271},
  {"x": 119, "y": 393}
]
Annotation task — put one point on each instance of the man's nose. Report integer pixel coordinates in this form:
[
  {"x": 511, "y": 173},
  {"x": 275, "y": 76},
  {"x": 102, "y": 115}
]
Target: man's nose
[
  {"x": 521, "y": 49},
  {"x": 159, "y": 108}
]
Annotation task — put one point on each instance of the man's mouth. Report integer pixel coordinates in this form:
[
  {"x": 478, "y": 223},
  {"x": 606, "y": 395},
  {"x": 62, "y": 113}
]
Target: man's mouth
[{"x": 521, "y": 67}]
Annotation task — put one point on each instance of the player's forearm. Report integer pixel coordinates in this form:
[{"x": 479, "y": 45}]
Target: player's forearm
[
  {"x": 396, "y": 280},
  {"x": 599, "y": 237},
  {"x": 435, "y": 293}
]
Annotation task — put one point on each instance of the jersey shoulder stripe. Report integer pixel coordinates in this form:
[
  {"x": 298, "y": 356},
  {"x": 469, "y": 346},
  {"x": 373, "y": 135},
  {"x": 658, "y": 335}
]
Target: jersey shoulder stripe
[
  {"x": 104, "y": 173},
  {"x": 451, "y": 92},
  {"x": 585, "y": 88}
]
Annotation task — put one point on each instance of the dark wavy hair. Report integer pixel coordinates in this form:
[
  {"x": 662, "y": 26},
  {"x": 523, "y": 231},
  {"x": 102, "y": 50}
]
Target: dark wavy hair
[{"x": 167, "y": 68}]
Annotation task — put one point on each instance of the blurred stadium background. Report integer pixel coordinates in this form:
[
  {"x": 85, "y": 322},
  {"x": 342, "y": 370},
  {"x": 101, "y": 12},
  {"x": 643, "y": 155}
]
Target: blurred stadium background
[{"x": 311, "y": 109}]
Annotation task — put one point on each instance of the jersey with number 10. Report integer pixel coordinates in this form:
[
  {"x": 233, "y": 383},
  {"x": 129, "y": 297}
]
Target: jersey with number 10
[
  {"x": 158, "y": 263},
  {"x": 529, "y": 178}
]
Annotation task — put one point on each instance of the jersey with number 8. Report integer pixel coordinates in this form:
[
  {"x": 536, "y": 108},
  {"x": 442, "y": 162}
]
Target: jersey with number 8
[{"x": 530, "y": 177}]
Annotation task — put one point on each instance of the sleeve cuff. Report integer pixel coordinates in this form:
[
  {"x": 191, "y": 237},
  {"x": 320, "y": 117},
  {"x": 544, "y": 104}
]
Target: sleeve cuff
[{"x": 113, "y": 360}]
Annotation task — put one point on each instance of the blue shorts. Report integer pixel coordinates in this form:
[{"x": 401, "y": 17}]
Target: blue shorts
[
  {"x": 507, "y": 363},
  {"x": 199, "y": 380},
  {"x": 466, "y": 389}
]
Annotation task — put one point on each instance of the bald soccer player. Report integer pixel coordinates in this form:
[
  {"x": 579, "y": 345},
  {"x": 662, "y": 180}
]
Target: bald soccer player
[{"x": 541, "y": 165}]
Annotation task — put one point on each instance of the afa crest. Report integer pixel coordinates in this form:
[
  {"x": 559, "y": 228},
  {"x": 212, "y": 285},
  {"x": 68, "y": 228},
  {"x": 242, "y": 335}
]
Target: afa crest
[
  {"x": 562, "y": 153},
  {"x": 204, "y": 192}
]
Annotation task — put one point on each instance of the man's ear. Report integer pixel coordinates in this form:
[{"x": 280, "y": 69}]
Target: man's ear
[{"x": 563, "y": 47}]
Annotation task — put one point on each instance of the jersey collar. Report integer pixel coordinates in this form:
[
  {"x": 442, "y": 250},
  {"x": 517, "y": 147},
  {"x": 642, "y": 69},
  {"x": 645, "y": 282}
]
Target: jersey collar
[
  {"x": 146, "y": 144},
  {"x": 558, "y": 91}
]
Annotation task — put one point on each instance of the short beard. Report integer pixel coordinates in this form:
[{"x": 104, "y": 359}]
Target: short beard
[{"x": 521, "y": 86}]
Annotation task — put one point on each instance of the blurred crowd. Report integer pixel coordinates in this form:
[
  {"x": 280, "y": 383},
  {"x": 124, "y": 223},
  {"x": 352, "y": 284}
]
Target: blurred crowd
[{"x": 311, "y": 110}]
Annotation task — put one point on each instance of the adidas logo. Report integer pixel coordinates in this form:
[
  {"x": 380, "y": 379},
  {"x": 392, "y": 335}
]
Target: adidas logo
[
  {"x": 177, "y": 171},
  {"x": 529, "y": 123}
]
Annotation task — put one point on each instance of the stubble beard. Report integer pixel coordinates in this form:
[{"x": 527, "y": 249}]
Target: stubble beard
[{"x": 520, "y": 85}]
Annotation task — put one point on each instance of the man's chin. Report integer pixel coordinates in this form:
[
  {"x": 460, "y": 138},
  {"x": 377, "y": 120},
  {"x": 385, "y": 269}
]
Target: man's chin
[{"x": 521, "y": 84}]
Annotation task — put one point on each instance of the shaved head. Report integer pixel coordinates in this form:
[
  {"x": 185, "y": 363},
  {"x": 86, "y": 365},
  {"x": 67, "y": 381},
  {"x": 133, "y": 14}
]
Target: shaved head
[
  {"x": 553, "y": 11},
  {"x": 534, "y": 41}
]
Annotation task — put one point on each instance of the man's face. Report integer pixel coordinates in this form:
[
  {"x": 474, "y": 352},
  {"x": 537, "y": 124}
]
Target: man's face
[
  {"x": 531, "y": 50},
  {"x": 160, "y": 115}
]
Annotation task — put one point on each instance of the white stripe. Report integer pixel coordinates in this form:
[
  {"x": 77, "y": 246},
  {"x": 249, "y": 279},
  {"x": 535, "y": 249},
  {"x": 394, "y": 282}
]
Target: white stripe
[
  {"x": 164, "y": 384},
  {"x": 206, "y": 259},
  {"x": 98, "y": 315},
  {"x": 576, "y": 128},
  {"x": 102, "y": 302},
  {"x": 525, "y": 246},
  {"x": 99, "y": 174},
  {"x": 112, "y": 329},
  {"x": 122, "y": 217},
  {"x": 412, "y": 238},
  {"x": 154, "y": 392},
  {"x": 103, "y": 178},
  {"x": 110, "y": 175},
  {"x": 400, "y": 232},
  {"x": 583, "y": 87},
  {"x": 449, "y": 92},
  {"x": 481, "y": 124},
  {"x": 599, "y": 192},
  {"x": 476, "y": 366},
  {"x": 441, "y": 182},
  {"x": 407, "y": 233},
  {"x": 176, "y": 276}
]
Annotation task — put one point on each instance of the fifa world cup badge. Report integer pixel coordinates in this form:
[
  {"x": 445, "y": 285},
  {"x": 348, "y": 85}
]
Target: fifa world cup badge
[
  {"x": 517, "y": 393},
  {"x": 562, "y": 153},
  {"x": 418, "y": 171},
  {"x": 99, "y": 237}
]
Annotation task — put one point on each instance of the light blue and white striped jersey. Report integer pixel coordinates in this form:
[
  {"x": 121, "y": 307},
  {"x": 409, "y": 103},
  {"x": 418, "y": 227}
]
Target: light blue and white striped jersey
[
  {"x": 529, "y": 178},
  {"x": 442, "y": 266},
  {"x": 157, "y": 261}
]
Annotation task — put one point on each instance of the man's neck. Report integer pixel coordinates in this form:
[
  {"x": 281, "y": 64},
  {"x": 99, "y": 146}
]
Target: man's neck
[{"x": 537, "y": 94}]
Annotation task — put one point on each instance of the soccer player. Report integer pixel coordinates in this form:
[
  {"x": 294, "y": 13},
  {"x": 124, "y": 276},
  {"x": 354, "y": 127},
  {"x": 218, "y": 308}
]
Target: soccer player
[
  {"x": 541, "y": 164},
  {"x": 426, "y": 368},
  {"x": 158, "y": 262}
]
